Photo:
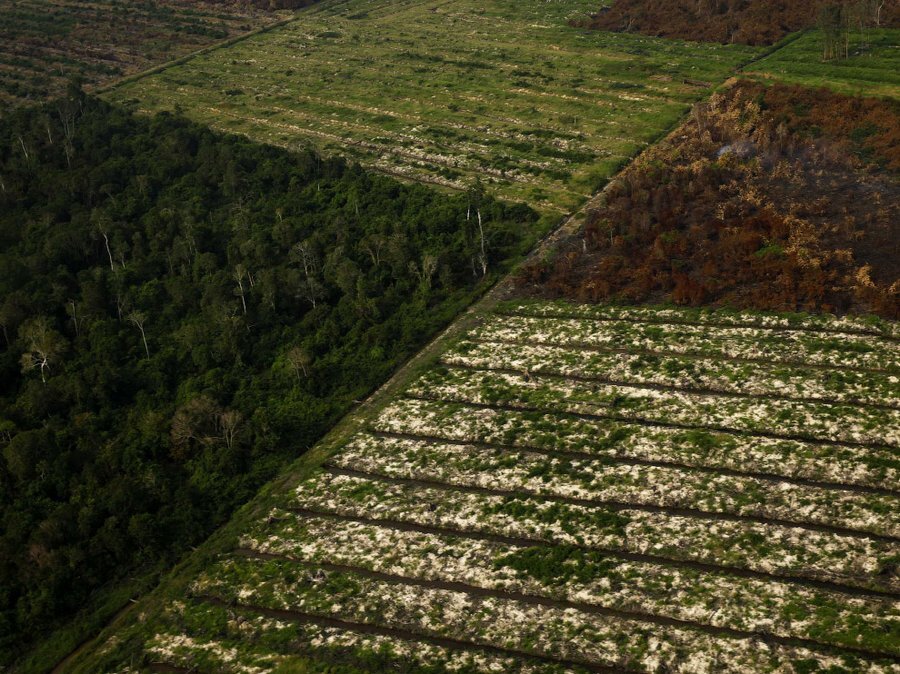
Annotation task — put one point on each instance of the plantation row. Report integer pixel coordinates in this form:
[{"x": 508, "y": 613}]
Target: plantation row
[
  {"x": 777, "y": 549},
  {"x": 596, "y": 481},
  {"x": 574, "y": 636},
  {"x": 872, "y": 69},
  {"x": 822, "y": 324},
  {"x": 677, "y": 409},
  {"x": 746, "y": 343},
  {"x": 209, "y": 637},
  {"x": 535, "y": 522},
  {"x": 577, "y": 436},
  {"x": 706, "y": 374},
  {"x": 577, "y": 575}
]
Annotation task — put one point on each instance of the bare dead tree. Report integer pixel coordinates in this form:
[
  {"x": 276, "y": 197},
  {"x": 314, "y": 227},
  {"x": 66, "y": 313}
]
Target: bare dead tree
[
  {"x": 44, "y": 346},
  {"x": 68, "y": 109},
  {"x": 24, "y": 147},
  {"x": 121, "y": 304},
  {"x": 482, "y": 256},
  {"x": 312, "y": 289},
  {"x": 308, "y": 259},
  {"x": 833, "y": 22},
  {"x": 137, "y": 319},
  {"x": 48, "y": 128},
  {"x": 229, "y": 423},
  {"x": 299, "y": 360},
  {"x": 374, "y": 245},
  {"x": 879, "y": 8},
  {"x": 197, "y": 422},
  {"x": 72, "y": 310},
  {"x": 101, "y": 224},
  {"x": 240, "y": 273},
  {"x": 475, "y": 196},
  {"x": 424, "y": 271}
]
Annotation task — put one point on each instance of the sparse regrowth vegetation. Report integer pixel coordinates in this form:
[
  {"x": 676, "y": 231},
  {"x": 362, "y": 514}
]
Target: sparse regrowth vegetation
[{"x": 505, "y": 92}]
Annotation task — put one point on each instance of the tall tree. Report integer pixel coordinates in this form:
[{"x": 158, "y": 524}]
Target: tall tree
[{"x": 43, "y": 345}]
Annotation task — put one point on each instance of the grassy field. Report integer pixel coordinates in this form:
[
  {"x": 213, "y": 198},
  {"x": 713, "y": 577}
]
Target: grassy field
[
  {"x": 872, "y": 70},
  {"x": 44, "y": 42},
  {"x": 580, "y": 489},
  {"x": 446, "y": 92}
]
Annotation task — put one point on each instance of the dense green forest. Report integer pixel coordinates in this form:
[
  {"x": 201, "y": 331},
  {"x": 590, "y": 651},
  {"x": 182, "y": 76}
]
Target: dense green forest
[{"x": 181, "y": 314}]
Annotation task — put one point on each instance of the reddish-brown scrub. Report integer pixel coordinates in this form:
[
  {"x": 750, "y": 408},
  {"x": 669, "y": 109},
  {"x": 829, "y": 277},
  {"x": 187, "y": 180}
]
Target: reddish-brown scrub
[
  {"x": 752, "y": 22},
  {"x": 779, "y": 198}
]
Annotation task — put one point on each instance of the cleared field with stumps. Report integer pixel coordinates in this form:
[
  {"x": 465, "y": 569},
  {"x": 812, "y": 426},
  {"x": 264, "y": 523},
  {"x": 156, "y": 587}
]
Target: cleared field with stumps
[
  {"x": 583, "y": 489},
  {"x": 43, "y": 43},
  {"x": 447, "y": 92}
]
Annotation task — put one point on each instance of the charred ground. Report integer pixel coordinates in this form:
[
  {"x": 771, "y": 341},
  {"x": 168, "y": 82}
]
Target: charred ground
[{"x": 779, "y": 197}]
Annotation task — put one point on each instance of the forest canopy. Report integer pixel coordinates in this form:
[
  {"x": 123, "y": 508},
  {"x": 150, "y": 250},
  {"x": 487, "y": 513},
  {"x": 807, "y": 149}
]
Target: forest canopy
[{"x": 182, "y": 313}]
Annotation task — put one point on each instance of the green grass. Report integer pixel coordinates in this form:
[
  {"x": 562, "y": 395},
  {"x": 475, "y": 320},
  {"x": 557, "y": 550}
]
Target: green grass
[
  {"x": 446, "y": 92},
  {"x": 872, "y": 70}
]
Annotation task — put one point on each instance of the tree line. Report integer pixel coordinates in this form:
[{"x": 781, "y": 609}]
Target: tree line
[{"x": 182, "y": 313}]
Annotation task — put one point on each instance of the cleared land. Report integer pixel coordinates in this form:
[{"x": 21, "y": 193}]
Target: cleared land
[
  {"x": 446, "y": 92},
  {"x": 45, "y": 42},
  {"x": 870, "y": 70},
  {"x": 584, "y": 489}
]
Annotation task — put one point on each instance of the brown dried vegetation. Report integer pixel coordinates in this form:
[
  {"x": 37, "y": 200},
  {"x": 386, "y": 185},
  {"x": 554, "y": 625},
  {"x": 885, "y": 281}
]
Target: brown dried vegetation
[
  {"x": 753, "y": 22},
  {"x": 781, "y": 198}
]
